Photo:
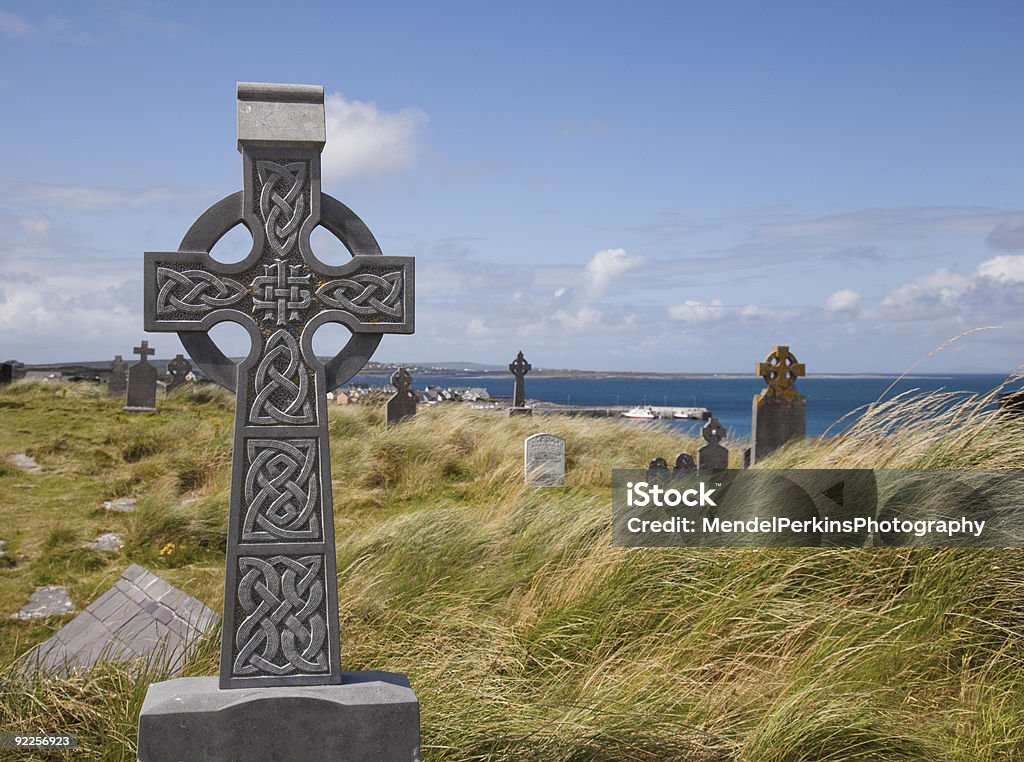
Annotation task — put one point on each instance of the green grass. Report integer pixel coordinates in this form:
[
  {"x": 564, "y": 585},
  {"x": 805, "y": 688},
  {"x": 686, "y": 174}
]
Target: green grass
[{"x": 525, "y": 634}]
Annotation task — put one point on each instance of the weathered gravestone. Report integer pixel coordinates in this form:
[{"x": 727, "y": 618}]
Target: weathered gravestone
[
  {"x": 519, "y": 368},
  {"x": 281, "y": 693},
  {"x": 140, "y": 617},
  {"x": 713, "y": 456},
  {"x": 142, "y": 382},
  {"x": 402, "y": 404},
  {"x": 118, "y": 382},
  {"x": 544, "y": 461},
  {"x": 779, "y": 411},
  {"x": 6, "y": 372},
  {"x": 178, "y": 370},
  {"x": 684, "y": 462}
]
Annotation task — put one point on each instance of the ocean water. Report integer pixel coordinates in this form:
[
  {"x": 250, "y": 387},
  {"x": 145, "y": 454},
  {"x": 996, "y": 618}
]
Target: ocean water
[{"x": 729, "y": 399}]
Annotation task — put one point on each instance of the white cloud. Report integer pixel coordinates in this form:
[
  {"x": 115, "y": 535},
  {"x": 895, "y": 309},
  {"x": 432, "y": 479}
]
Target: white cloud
[
  {"x": 693, "y": 311},
  {"x": 1007, "y": 268},
  {"x": 607, "y": 265},
  {"x": 844, "y": 300},
  {"x": 364, "y": 141}
]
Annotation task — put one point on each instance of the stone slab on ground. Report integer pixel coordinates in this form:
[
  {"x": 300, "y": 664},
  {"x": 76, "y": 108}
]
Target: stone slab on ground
[
  {"x": 51, "y": 600},
  {"x": 108, "y": 542},
  {"x": 24, "y": 462},
  {"x": 120, "y": 505},
  {"x": 141, "y": 615},
  {"x": 370, "y": 717}
]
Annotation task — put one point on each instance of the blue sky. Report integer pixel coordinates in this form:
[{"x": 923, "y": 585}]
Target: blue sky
[{"x": 665, "y": 186}]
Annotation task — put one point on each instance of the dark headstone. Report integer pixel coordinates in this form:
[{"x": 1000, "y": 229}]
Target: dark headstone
[
  {"x": 6, "y": 372},
  {"x": 140, "y": 616},
  {"x": 402, "y": 404},
  {"x": 658, "y": 463},
  {"x": 684, "y": 462},
  {"x": 177, "y": 370},
  {"x": 544, "y": 461},
  {"x": 779, "y": 411},
  {"x": 519, "y": 368},
  {"x": 712, "y": 456},
  {"x": 118, "y": 383},
  {"x": 280, "y": 655},
  {"x": 142, "y": 382}
]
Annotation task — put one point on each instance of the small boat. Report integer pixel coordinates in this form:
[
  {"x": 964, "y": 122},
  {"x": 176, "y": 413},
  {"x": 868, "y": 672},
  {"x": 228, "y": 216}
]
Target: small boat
[
  {"x": 644, "y": 413},
  {"x": 693, "y": 413}
]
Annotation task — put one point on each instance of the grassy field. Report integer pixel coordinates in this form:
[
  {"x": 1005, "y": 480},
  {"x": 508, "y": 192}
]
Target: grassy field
[{"x": 525, "y": 634}]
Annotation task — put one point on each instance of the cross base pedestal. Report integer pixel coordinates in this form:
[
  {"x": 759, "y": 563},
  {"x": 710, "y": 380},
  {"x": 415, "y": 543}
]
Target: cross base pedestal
[
  {"x": 520, "y": 411},
  {"x": 370, "y": 717}
]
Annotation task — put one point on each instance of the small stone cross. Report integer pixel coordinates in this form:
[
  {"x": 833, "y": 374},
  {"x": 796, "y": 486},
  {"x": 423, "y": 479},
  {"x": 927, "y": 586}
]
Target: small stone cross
[
  {"x": 780, "y": 371},
  {"x": 281, "y": 597},
  {"x": 401, "y": 380},
  {"x": 144, "y": 351},
  {"x": 713, "y": 456},
  {"x": 519, "y": 368},
  {"x": 178, "y": 368}
]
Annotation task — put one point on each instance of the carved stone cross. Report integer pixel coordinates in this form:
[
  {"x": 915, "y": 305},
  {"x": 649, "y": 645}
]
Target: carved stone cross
[
  {"x": 280, "y": 598},
  {"x": 519, "y": 368},
  {"x": 144, "y": 351},
  {"x": 780, "y": 370},
  {"x": 178, "y": 368}
]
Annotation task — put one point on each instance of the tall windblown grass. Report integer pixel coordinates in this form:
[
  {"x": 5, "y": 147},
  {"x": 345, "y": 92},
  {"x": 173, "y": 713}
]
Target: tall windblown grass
[{"x": 527, "y": 636}]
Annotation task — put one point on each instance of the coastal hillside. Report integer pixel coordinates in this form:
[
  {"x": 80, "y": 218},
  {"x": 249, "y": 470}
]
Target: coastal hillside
[{"x": 525, "y": 634}]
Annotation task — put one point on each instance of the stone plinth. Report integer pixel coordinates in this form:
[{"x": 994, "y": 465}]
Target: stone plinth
[
  {"x": 370, "y": 717},
  {"x": 520, "y": 411}
]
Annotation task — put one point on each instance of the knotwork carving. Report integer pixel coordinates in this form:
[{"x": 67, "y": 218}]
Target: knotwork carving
[
  {"x": 282, "y": 203},
  {"x": 284, "y": 629},
  {"x": 282, "y": 493},
  {"x": 283, "y": 296},
  {"x": 194, "y": 291},
  {"x": 366, "y": 294},
  {"x": 780, "y": 371},
  {"x": 281, "y": 383}
]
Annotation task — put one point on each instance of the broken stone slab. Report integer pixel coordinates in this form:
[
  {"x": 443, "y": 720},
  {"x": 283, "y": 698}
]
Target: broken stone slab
[
  {"x": 120, "y": 505},
  {"x": 141, "y": 616},
  {"x": 108, "y": 542},
  {"x": 51, "y": 600},
  {"x": 24, "y": 462}
]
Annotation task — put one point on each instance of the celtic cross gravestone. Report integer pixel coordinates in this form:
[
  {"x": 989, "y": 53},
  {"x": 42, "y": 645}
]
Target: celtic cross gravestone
[
  {"x": 713, "y": 456},
  {"x": 519, "y": 368},
  {"x": 779, "y": 411},
  {"x": 280, "y": 628},
  {"x": 402, "y": 404},
  {"x": 142, "y": 382},
  {"x": 177, "y": 369}
]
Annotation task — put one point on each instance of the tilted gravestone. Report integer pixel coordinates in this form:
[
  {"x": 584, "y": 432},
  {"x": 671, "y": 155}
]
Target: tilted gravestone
[
  {"x": 118, "y": 382},
  {"x": 142, "y": 382},
  {"x": 713, "y": 456},
  {"x": 544, "y": 461},
  {"x": 779, "y": 411},
  {"x": 402, "y": 404},
  {"x": 178, "y": 369},
  {"x": 281, "y": 692},
  {"x": 519, "y": 368}
]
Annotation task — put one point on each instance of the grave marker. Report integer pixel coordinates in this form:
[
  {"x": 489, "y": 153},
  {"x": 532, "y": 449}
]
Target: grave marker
[
  {"x": 544, "y": 461},
  {"x": 684, "y": 462},
  {"x": 402, "y": 403},
  {"x": 713, "y": 456},
  {"x": 142, "y": 382},
  {"x": 6, "y": 372},
  {"x": 178, "y": 370},
  {"x": 281, "y": 691},
  {"x": 779, "y": 411},
  {"x": 519, "y": 368},
  {"x": 118, "y": 382}
]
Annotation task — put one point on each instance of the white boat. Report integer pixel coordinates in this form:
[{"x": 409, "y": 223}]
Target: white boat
[
  {"x": 694, "y": 413},
  {"x": 644, "y": 413}
]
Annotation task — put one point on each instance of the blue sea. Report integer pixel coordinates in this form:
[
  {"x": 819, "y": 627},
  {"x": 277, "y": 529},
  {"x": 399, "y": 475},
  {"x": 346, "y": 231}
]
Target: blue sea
[{"x": 729, "y": 399}]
